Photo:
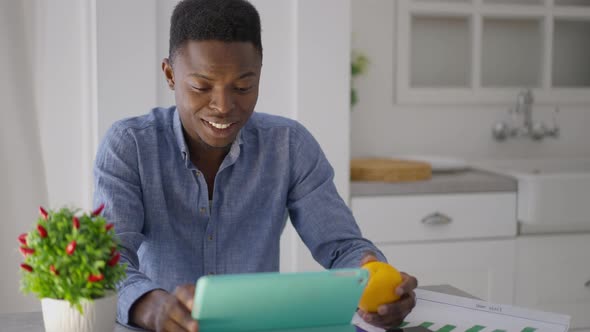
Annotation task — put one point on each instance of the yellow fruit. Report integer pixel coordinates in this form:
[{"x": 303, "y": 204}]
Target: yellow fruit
[{"x": 383, "y": 280}]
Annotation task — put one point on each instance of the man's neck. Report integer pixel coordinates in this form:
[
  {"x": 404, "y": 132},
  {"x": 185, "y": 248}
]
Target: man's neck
[
  {"x": 201, "y": 154},
  {"x": 208, "y": 160}
]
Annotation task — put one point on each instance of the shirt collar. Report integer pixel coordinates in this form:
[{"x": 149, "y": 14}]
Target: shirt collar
[
  {"x": 184, "y": 151},
  {"x": 177, "y": 127}
]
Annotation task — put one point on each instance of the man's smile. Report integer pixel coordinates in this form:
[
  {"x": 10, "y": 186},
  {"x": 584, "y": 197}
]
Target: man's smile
[
  {"x": 221, "y": 130},
  {"x": 220, "y": 125}
]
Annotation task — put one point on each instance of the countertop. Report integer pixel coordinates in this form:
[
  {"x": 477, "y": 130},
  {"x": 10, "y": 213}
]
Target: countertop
[
  {"x": 33, "y": 321},
  {"x": 466, "y": 181}
]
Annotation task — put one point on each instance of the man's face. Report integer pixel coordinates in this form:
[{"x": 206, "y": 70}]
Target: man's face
[{"x": 216, "y": 87}]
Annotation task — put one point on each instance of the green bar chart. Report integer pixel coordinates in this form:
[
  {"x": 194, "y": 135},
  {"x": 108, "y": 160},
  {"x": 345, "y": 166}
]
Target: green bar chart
[
  {"x": 440, "y": 312},
  {"x": 454, "y": 328}
]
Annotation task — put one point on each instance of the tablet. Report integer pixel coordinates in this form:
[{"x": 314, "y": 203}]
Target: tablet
[{"x": 279, "y": 301}]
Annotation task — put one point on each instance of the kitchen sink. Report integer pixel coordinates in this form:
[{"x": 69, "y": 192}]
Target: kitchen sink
[{"x": 550, "y": 191}]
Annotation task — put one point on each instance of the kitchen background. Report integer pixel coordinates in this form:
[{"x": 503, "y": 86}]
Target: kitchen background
[
  {"x": 381, "y": 126},
  {"x": 70, "y": 68}
]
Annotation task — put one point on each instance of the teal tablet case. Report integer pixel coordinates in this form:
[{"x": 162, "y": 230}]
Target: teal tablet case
[{"x": 288, "y": 302}]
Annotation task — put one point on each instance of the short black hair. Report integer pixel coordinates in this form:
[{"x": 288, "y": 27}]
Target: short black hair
[{"x": 222, "y": 20}]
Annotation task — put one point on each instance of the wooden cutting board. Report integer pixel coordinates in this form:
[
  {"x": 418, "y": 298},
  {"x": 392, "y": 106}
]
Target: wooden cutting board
[{"x": 389, "y": 170}]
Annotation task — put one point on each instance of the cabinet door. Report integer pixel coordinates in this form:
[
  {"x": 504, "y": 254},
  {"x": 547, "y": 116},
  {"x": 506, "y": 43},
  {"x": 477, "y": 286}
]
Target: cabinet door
[
  {"x": 553, "y": 274},
  {"x": 456, "y": 52},
  {"x": 484, "y": 269}
]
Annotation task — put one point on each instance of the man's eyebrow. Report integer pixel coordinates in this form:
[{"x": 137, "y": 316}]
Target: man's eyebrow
[
  {"x": 244, "y": 75},
  {"x": 197, "y": 75},
  {"x": 247, "y": 74}
]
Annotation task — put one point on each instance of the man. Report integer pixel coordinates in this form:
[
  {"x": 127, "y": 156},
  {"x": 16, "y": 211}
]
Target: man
[{"x": 205, "y": 187}]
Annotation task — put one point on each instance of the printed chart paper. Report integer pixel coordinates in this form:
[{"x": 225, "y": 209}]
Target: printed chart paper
[{"x": 447, "y": 313}]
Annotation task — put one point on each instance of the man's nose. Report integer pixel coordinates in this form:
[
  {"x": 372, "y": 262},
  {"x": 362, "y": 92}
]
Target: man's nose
[{"x": 222, "y": 101}]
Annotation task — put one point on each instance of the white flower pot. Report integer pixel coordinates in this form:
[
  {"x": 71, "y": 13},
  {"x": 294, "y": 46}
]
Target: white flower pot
[{"x": 99, "y": 315}]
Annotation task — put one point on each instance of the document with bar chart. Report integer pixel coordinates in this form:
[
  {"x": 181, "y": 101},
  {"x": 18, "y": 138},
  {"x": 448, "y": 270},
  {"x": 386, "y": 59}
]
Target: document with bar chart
[{"x": 447, "y": 313}]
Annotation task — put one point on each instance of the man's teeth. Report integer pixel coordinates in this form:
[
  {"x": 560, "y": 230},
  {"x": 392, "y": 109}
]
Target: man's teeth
[{"x": 219, "y": 125}]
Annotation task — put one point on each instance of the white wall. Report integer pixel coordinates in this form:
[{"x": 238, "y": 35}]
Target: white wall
[
  {"x": 379, "y": 127},
  {"x": 22, "y": 183},
  {"x": 323, "y": 79},
  {"x": 323, "y": 95},
  {"x": 127, "y": 62},
  {"x": 59, "y": 65}
]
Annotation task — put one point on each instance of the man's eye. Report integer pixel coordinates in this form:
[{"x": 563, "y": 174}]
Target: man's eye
[
  {"x": 200, "y": 89},
  {"x": 244, "y": 89}
]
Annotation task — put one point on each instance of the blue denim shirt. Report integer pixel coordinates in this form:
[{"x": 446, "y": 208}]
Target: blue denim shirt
[{"x": 171, "y": 235}]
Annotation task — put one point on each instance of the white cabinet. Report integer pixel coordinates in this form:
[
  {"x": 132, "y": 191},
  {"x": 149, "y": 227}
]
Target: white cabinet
[
  {"x": 413, "y": 233},
  {"x": 553, "y": 274},
  {"x": 475, "y": 51},
  {"x": 483, "y": 268}
]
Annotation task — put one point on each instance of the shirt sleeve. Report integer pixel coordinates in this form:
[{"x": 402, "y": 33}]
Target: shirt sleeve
[
  {"x": 117, "y": 185},
  {"x": 320, "y": 216}
]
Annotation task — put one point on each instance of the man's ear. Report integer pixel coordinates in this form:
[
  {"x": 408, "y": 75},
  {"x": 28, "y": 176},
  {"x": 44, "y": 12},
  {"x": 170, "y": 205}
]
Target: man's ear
[{"x": 168, "y": 73}]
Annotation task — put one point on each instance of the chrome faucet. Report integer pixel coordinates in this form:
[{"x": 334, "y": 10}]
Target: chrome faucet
[
  {"x": 524, "y": 106},
  {"x": 529, "y": 128}
]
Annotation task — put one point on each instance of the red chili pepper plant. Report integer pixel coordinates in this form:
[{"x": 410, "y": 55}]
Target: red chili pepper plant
[{"x": 71, "y": 256}]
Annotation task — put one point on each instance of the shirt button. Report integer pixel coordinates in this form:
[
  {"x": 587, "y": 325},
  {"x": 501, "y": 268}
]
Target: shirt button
[
  {"x": 203, "y": 210},
  {"x": 210, "y": 237}
]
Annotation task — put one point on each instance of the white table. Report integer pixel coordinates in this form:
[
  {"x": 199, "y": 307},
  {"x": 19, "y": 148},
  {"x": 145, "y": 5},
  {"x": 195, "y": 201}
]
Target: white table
[{"x": 33, "y": 321}]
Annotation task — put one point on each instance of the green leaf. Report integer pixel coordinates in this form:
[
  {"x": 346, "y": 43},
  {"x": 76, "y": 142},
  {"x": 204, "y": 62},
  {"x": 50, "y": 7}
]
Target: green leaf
[{"x": 358, "y": 66}]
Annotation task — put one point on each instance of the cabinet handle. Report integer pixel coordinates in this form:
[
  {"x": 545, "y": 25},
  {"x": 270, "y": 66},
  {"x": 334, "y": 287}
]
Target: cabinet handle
[
  {"x": 587, "y": 284},
  {"x": 436, "y": 219}
]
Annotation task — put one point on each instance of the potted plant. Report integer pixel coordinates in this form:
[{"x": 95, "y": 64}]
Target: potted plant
[
  {"x": 71, "y": 262},
  {"x": 358, "y": 66}
]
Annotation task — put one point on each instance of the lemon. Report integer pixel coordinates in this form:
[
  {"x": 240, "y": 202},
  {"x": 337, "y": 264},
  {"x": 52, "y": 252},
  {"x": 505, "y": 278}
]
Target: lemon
[{"x": 383, "y": 280}]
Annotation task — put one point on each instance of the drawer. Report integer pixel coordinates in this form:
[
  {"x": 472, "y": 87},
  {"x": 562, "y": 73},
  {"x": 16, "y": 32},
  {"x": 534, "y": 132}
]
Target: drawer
[{"x": 390, "y": 219}]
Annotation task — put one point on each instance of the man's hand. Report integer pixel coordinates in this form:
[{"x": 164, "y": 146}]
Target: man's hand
[
  {"x": 391, "y": 315},
  {"x": 163, "y": 312}
]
